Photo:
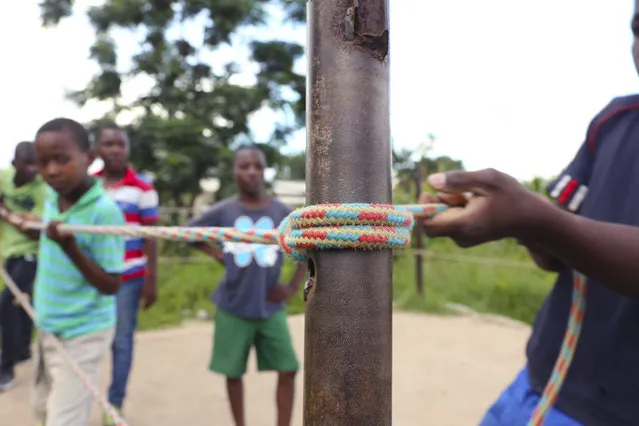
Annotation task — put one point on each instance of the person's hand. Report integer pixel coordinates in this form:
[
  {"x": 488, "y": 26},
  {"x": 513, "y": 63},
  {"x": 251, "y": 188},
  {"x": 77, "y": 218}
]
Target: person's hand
[
  {"x": 63, "y": 238},
  {"x": 280, "y": 293},
  {"x": 24, "y": 296},
  {"x": 25, "y": 218},
  {"x": 149, "y": 292},
  {"x": 28, "y": 217},
  {"x": 13, "y": 218},
  {"x": 498, "y": 206}
]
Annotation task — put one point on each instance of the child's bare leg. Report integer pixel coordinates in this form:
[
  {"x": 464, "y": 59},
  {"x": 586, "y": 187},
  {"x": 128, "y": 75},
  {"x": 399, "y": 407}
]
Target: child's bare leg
[
  {"x": 285, "y": 397},
  {"x": 235, "y": 390}
]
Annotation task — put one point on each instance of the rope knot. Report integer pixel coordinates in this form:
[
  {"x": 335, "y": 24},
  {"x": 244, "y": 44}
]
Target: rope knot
[{"x": 356, "y": 226}]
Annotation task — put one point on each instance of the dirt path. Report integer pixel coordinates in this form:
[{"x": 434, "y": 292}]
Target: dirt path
[{"x": 447, "y": 370}]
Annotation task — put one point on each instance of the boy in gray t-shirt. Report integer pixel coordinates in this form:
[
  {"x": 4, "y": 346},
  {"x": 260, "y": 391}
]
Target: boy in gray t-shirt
[{"x": 250, "y": 300}]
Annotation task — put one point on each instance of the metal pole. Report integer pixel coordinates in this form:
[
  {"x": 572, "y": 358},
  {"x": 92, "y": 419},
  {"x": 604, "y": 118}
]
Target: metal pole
[
  {"x": 348, "y": 344},
  {"x": 419, "y": 257}
]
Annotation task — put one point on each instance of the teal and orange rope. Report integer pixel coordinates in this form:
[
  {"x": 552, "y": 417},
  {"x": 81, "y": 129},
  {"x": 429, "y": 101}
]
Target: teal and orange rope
[
  {"x": 356, "y": 226},
  {"x": 566, "y": 353}
]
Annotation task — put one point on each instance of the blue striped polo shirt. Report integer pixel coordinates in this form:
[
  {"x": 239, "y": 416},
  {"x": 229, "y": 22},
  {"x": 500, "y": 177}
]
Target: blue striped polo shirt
[{"x": 66, "y": 303}]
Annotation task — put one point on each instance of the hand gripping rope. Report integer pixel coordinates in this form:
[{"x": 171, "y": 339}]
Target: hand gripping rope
[{"x": 357, "y": 226}]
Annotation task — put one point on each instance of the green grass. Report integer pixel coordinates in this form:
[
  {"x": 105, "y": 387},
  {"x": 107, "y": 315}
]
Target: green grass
[{"x": 483, "y": 286}]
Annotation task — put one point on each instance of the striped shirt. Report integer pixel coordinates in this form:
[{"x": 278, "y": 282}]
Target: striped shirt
[
  {"x": 138, "y": 200},
  {"x": 66, "y": 303}
]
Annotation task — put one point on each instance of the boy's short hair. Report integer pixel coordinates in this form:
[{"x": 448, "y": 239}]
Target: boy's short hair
[
  {"x": 80, "y": 134},
  {"x": 24, "y": 147},
  {"x": 110, "y": 126},
  {"x": 248, "y": 147}
]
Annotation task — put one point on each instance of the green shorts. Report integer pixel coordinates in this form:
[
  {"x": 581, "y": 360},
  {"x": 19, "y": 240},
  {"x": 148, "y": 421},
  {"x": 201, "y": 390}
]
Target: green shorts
[{"x": 233, "y": 338}]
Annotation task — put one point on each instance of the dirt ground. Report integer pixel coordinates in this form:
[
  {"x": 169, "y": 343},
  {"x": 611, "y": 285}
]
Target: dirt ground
[{"x": 446, "y": 372}]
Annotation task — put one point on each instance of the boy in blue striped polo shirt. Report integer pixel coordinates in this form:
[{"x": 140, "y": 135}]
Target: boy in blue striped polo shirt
[{"x": 77, "y": 278}]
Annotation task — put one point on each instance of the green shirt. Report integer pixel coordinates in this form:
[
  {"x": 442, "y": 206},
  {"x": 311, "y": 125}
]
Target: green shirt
[{"x": 28, "y": 198}]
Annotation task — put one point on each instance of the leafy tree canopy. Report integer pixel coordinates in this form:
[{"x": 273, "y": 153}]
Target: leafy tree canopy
[{"x": 198, "y": 104}]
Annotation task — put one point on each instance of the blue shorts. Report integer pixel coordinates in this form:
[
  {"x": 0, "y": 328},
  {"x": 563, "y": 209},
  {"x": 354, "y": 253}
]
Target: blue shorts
[{"x": 516, "y": 404}]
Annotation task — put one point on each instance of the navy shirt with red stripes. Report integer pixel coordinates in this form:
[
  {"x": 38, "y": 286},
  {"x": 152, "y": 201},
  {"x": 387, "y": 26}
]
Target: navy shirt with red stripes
[{"x": 602, "y": 183}]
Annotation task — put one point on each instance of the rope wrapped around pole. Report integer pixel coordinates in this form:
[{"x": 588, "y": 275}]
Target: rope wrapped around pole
[{"x": 360, "y": 226}]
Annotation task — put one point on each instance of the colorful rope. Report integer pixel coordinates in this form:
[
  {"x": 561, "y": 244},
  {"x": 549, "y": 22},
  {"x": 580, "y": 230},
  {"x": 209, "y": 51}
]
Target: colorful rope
[
  {"x": 356, "y": 226},
  {"x": 324, "y": 227},
  {"x": 350, "y": 226},
  {"x": 566, "y": 353}
]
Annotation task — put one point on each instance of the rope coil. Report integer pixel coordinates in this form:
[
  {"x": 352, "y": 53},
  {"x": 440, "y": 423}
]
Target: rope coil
[{"x": 349, "y": 226}]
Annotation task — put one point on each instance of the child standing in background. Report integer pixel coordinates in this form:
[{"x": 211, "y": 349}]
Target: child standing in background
[
  {"x": 250, "y": 299},
  {"x": 22, "y": 192},
  {"x": 138, "y": 200},
  {"x": 78, "y": 275}
]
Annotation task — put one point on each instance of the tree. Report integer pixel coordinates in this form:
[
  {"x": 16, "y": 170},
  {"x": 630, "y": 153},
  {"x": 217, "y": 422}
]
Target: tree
[{"x": 195, "y": 111}]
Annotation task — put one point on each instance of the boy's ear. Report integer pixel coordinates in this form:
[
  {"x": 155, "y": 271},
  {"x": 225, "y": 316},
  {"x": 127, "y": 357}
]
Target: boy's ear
[{"x": 13, "y": 162}]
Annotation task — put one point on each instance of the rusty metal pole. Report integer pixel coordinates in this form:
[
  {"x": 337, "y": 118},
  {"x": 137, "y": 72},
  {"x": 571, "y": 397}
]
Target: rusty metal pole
[
  {"x": 348, "y": 342},
  {"x": 419, "y": 242}
]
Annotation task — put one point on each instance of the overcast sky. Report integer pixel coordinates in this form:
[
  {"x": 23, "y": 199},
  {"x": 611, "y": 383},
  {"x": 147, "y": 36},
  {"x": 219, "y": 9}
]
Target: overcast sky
[{"x": 501, "y": 83}]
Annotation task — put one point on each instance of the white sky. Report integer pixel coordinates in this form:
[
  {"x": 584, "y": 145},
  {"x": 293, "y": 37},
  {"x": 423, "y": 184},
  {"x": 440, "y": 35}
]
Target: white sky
[{"x": 501, "y": 83}]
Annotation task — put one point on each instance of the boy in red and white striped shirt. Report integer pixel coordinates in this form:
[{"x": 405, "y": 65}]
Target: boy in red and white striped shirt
[{"x": 138, "y": 200}]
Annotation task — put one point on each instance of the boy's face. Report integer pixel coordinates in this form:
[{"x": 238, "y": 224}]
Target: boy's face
[
  {"x": 61, "y": 162},
  {"x": 248, "y": 171},
  {"x": 113, "y": 148},
  {"x": 25, "y": 165}
]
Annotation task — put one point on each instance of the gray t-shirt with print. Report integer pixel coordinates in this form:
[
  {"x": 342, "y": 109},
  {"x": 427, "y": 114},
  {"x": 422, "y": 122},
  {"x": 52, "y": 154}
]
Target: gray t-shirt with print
[{"x": 252, "y": 270}]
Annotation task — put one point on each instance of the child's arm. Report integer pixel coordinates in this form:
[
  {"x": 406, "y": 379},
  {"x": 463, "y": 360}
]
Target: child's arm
[
  {"x": 150, "y": 216},
  {"x": 544, "y": 260},
  {"x": 210, "y": 250},
  {"x": 282, "y": 292},
  {"x": 605, "y": 252},
  {"x": 32, "y": 234},
  {"x": 541, "y": 259},
  {"x": 106, "y": 283},
  {"x": 17, "y": 220}
]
